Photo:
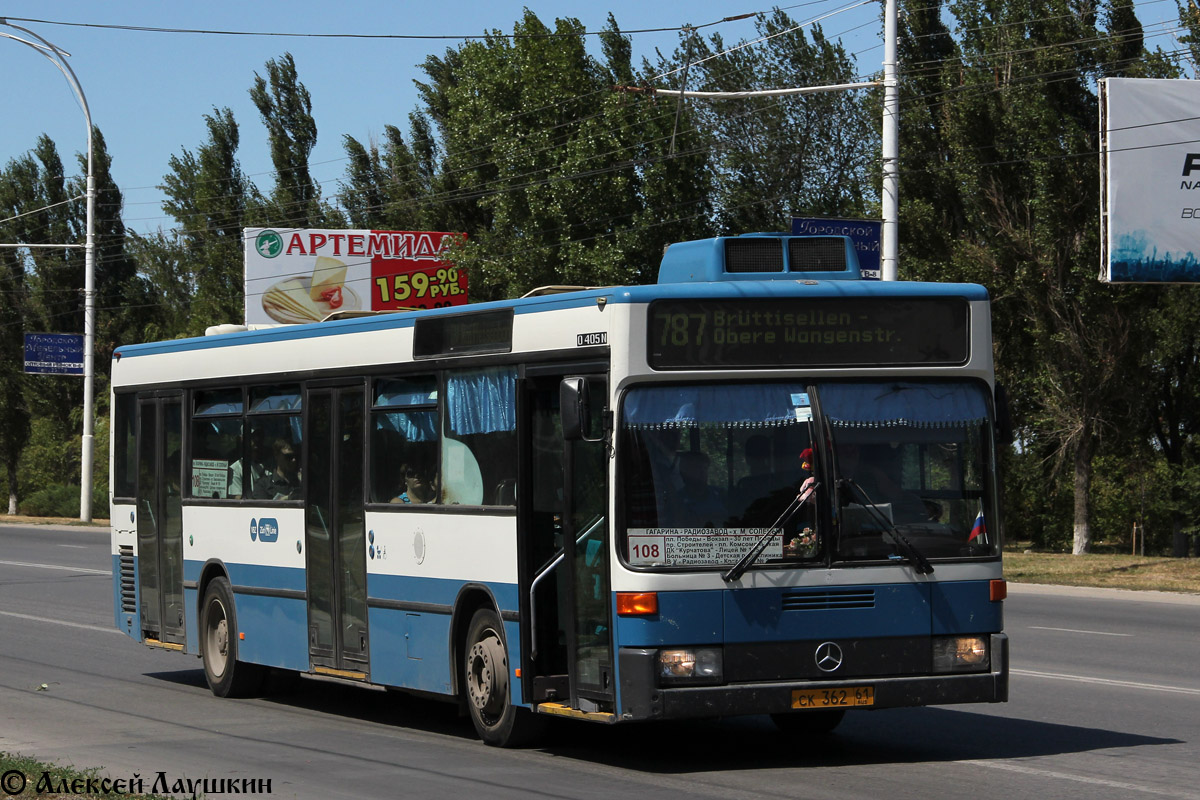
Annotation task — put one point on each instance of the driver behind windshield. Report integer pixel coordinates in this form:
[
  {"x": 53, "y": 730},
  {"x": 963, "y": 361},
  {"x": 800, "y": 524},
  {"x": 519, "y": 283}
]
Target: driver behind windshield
[{"x": 874, "y": 470}]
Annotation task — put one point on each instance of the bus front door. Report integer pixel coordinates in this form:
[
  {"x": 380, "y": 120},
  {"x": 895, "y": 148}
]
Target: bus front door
[
  {"x": 160, "y": 520},
  {"x": 335, "y": 540},
  {"x": 566, "y": 630}
]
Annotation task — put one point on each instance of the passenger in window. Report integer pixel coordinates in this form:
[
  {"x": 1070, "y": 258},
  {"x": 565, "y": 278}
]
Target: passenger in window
[
  {"x": 419, "y": 484},
  {"x": 283, "y": 482},
  {"x": 258, "y": 471}
]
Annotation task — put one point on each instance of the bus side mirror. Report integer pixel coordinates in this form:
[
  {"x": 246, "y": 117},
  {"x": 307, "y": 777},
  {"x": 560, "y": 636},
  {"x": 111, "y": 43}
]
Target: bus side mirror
[
  {"x": 574, "y": 408},
  {"x": 1004, "y": 425}
]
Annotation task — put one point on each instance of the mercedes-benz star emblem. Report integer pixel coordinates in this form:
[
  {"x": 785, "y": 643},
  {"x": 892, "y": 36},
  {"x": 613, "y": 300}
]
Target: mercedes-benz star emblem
[{"x": 829, "y": 657}]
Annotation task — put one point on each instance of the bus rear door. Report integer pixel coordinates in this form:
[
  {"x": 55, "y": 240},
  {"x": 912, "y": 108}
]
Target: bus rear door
[
  {"x": 160, "y": 519},
  {"x": 335, "y": 540}
]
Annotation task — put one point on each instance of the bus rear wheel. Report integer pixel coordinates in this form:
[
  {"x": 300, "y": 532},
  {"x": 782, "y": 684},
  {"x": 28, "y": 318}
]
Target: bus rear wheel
[
  {"x": 485, "y": 673},
  {"x": 226, "y": 676},
  {"x": 809, "y": 723}
]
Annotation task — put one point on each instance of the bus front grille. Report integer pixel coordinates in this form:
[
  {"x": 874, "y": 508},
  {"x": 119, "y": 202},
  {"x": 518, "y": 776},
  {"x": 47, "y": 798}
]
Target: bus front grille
[{"x": 826, "y": 599}]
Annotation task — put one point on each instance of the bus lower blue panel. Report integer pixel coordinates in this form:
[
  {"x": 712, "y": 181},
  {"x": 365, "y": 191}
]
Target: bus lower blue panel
[
  {"x": 439, "y": 591},
  {"x": 512, "y": 632},
  {"x": 276, "y": 630},
  {"x": 682, "y": 618},
  {"x": 256, "y": 575},
  {"x": 410, "y": 649},
  {"x": 191, "y": 619},
  {"x": 965, "y": 607},
  {"x": 792, "y": 614}
]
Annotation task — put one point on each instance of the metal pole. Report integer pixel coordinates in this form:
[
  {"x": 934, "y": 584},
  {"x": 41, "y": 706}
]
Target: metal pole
[
  {"x": 890, "y": 195},
  {"x": 89, "y": 266}
]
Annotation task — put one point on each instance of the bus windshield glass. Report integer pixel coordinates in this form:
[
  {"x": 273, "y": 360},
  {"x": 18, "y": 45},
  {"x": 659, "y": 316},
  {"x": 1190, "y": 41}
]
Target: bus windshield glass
[
  {"x": 709, "y": 469},
  {"x": 915, "y": 457}
]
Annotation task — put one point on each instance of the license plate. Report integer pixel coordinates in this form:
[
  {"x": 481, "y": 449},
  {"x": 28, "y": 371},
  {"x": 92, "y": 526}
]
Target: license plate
[{"x": 842, "y": 697}]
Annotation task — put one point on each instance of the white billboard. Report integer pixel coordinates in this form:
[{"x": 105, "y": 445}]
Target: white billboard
[
  {"x": 1150, "y": 180},
  {"x": 296, "y": 275}
]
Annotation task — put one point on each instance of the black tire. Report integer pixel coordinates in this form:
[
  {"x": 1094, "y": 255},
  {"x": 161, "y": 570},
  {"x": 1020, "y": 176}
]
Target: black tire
[
  {"x": 809, "y": 723},
  {"x": 485, "y": 682},
  {"x": 226, "y": 676}
]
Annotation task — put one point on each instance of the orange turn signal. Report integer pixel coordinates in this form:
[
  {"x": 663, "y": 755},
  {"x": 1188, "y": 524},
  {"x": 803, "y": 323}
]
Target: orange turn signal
[
  {"x": 997, "y": 589},
  {"x": 637, "y": 604}
]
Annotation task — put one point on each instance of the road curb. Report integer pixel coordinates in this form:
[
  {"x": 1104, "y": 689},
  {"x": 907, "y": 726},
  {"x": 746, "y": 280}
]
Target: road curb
[{"x": 1132, "y": 595}]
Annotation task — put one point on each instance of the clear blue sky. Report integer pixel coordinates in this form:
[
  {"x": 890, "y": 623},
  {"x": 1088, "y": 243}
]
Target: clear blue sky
[{"x": 148, "y": 91}]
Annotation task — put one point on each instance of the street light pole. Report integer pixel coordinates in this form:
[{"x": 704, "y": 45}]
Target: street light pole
[
  {"x": 890, "y": 194},
  {"x": 89, "y": 265}
]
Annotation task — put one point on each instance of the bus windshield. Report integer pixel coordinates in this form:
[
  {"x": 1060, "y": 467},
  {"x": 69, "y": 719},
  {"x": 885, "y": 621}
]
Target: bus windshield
[
  {"x": 709, "y": 469},
  {"x": 914, "y": 456}
]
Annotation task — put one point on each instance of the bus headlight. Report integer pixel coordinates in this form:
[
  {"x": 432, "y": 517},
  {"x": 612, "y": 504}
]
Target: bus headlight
[
  {"x": 960, "y": 654},
  {"x": 690, "y": 665}
]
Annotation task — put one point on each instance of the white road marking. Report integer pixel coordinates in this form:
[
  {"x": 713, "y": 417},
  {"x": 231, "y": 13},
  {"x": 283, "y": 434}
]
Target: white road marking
[
  {"x": 57, "y": 566},
  {"x": 75, "y": 546},
  {"x": 100, "y": 628},
  {"x": 1008, "y": 766},
  {"x": 1076, "y": 630},
  {"x": 1154, "y": 687}
]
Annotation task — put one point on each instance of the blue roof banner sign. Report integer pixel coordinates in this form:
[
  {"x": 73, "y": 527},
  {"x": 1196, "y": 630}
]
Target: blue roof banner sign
[
  {"x": 54, "y": 353},
  {"x": 1150, "y": 180},
  {"x": 863, "y": 232}
]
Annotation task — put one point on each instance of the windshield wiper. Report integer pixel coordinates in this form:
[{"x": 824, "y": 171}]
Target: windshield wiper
[
  {"x": 907, "y": 549},
  {"x": 739, "y": 569}
]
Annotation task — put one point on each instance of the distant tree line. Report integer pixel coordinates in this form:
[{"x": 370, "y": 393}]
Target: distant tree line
[{"x": 522, "y": 143}]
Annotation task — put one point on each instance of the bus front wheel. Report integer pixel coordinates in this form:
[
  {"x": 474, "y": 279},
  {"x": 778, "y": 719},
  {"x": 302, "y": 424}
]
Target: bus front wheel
[
  {"x": 226, "y": 676},
  {"x": 485, "y": 677}
]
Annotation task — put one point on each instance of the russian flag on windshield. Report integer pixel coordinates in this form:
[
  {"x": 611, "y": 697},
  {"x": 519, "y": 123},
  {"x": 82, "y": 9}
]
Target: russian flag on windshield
[{"x": 979, "y": 528}]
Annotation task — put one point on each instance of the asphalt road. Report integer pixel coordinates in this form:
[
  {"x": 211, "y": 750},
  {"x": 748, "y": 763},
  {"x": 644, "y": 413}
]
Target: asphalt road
[{"x": 1105, "y": 703}]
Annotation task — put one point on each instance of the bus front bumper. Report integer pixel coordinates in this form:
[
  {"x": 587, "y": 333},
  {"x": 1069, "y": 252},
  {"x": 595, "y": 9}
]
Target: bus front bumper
[{"x": 642, "y": 699}]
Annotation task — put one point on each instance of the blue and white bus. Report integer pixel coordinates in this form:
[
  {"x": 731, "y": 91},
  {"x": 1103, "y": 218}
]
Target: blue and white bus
[{"x": 760, "y": 486}]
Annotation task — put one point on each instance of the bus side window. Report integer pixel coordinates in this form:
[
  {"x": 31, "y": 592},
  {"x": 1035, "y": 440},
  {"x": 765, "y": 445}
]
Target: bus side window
[
  {"x": 481, "y": 413},
  {"x": 270, "y": 469},
  {"x": 216, "y": 443},
  {"x": 404, "y": 441},
  {"x": 124, "y": 480}
]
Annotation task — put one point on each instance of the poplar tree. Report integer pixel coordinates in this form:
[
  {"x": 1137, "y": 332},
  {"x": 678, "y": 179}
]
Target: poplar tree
[
  {"x": 285, "y": 106},
  {"x": 774, "y": 157},
  {"x": 554, "y": 176},
  {"x": 210, "y": 199}
]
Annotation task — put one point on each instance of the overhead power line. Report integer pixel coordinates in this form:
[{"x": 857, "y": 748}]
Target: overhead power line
[{"x": 385, "y": 36}]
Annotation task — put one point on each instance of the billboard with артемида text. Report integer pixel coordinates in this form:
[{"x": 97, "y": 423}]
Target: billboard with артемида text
[{"x": 295, "y": 276}]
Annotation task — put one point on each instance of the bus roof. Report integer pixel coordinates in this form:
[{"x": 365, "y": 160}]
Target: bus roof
[{"x": 784, "y": 286}]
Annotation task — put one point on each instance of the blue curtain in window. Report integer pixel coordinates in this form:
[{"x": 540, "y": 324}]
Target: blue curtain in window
[
  {"x": 916, "y": 405},
  {"x": 482, "y": 402},
  {"x": 415, "y": 426},
  {"x": 406, "y": 393},
  {"x": 760, "y": 405}
]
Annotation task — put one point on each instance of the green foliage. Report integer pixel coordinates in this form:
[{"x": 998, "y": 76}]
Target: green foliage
[
  {"x": 522, "y": 144},
  {"x": 51, "y": 501},
  {"x": 285, "y": 106},
  {"x": 553, "y": 176},
  {"x": 1002, "y": 189},
  {"x": 773, "y": 156}
]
